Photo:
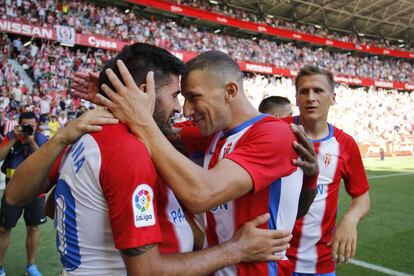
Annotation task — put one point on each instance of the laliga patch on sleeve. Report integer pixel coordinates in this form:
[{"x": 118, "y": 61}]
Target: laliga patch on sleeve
[{"x": 143, "y": 206}]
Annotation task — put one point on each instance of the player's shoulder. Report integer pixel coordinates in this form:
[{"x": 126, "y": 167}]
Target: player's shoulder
[
  {"x": 343, "y": 137},
  {"x": 273, "y": 126},
  {"x": 270, "y": 132},
  {"x": 289, "y": 119},
  {"x": 117, "y": 138}
]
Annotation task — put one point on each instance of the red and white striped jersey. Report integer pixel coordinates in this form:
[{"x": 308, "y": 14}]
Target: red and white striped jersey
[
  {"x": 263, "y": 147},
  {"x": 9, "y": 125},
  {"x": 105, "y": 200},
  {"x": 339, "y": 158},
  {"x": 177, "y": 233}
]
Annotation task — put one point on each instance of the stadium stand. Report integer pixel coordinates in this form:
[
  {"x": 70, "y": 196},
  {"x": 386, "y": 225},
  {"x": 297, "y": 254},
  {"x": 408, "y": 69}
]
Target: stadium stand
[
  {"x": 360, "y": 111},
  {"x": 112, "y": 22},
  {"x": 314, "y": 29}
]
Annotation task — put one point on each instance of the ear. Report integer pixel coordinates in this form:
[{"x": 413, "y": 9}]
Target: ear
[
  {"x": 333, "y": 98},
  {"x": 232, "y": 89}
]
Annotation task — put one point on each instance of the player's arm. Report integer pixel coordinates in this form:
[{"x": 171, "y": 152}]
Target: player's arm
[
  {"x": 197, "y": 188},
  {"x": 197, "y": 228},
  {"x": 131, "y": 182},
  {"x": 344, "y": 241},
  {"x": 250, "y": 244},
  {"x": 200, "y": 189},
  {"x": 25, "y": 185},
  {"x": 308, "y": 162},
  {"x": 307, "y": 195}
]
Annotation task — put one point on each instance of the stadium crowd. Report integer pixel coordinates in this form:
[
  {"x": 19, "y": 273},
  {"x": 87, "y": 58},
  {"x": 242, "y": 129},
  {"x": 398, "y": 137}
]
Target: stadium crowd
[
  {"x": 358, "y": 110},
  {"x": 115, "y": 23},
  {"x": 319, "y": 30},
  {"x": 48, "y": 65}
]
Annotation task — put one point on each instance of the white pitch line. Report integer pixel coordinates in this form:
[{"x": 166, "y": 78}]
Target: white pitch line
[
  {"x": 389, "y": 175},
  {"x": 378, "y": 268}
]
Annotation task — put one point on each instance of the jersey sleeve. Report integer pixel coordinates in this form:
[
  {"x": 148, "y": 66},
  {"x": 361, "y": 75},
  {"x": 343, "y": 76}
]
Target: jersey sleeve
[
  {"x": 288, "y": 120},
  {"x": 53, "y": 174},
  {"x": 128, "y": 180},
  {"x": 355, "y": 178},
  {"x": 266, "y": 153}
]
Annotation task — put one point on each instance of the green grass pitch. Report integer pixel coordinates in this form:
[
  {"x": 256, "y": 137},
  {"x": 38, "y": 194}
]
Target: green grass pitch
[{"x": 385, "y": 236}]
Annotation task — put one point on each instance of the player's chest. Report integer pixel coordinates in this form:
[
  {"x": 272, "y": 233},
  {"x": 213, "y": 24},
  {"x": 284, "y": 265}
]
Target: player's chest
[
  {"x": 330, "y": 164},
  {"x": 220, "y": 147}
]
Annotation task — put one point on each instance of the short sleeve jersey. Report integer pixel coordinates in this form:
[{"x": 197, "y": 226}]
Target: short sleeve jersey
[
  {"x": 263, "y": 147},
  {"x": 105, "y": 199},
  {"x": 339, "y": 158}
]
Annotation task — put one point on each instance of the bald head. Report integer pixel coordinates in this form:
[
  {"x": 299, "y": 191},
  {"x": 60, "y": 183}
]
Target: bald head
[{"x": 219, "y": 66}]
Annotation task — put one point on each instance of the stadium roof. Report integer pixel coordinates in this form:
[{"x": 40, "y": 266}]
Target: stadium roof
[{"x": 379, "y": 18}]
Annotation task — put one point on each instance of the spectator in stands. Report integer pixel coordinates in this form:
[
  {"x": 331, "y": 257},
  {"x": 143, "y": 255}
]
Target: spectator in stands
[
  {"x": 114, "y": 23},
  {"x": 62, "y": 119},
  {"x": 53, "y": 125},
  {"x": 48, "y": 64},
  {"x": 297, "y": 26}
]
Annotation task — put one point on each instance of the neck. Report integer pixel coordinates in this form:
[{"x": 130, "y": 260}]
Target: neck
[
  {"x": 242, "y": 112},
  {"x": 315, "y": 129}
]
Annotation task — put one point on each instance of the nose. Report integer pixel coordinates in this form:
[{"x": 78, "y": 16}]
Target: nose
[
  {"x": 188, "y": 109},
  {"x": 177, "y": 106},
  {"x": 311, "y": 95}
]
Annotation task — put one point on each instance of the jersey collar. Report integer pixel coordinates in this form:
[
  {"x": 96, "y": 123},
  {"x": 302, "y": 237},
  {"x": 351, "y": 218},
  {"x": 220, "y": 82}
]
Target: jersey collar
[
  {"x": 243, "y": 125},
  {"x": 329, "y": 136}
]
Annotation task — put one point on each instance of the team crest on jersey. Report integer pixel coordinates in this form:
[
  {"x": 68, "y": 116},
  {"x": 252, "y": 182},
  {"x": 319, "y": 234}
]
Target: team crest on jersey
[
  {"x": 327, "y": 159},
  {"x": 227, "y": 149},
  {"x": 143, "y": 206}
]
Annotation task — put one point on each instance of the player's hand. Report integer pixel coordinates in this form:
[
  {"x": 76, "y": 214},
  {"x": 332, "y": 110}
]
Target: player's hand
[
  {"x": 344, "y": 240},
  {"x": 85, "y": 86},
  {"x": 306, "y": 151},
  {"x": 259, "y": 245},
  {"x": 90, "y": 121},
  {"x": 130, "y": 104}
]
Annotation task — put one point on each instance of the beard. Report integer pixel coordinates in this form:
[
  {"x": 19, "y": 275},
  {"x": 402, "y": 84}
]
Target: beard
[{"x": 160, "y": 118}]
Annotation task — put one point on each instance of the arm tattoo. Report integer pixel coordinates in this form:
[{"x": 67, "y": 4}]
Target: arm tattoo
[{"x": 132, "y": 252}]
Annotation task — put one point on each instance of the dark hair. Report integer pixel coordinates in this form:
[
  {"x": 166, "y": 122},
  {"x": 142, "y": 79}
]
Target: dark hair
[
  {"x": 215, "y": 62},
  {"x": 268, "y": 103},
  {"x": 26, "y": 115},
  {"x": 310, "y": 70},
  {"x": 140, "y": 58}
]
